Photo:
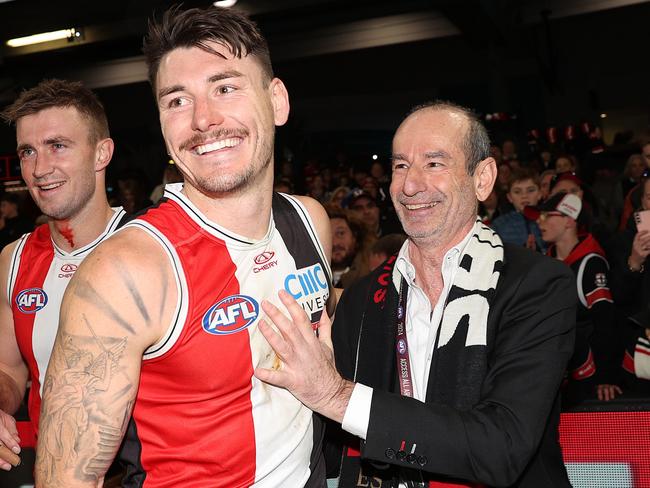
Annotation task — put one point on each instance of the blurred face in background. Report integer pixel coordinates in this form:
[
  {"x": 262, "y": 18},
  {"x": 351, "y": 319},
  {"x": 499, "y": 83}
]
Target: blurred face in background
[
  {"x": 552, "y": 225},
  {"x": 545, "y": 185},
  {"x": 344, "y": 244},
  {"x": 366, "y": 210},
  {"x": 563, "y": 165},
  {"x": 523, "y": 193},
  {"x": 635, "y": 166},
  {"x": 567, "y": 186}
]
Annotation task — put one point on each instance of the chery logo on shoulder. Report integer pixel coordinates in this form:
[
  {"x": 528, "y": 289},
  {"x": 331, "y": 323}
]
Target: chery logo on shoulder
[
  {"x": 264, "y": 261},
  {"x": 232, "y": 314},
  {"x": 31, "y": 300}
]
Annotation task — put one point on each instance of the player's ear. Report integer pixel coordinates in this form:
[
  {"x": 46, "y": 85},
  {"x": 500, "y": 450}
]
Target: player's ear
[
  {"x": 103, "y": 153},
  {"x": 280, "y": 101}
]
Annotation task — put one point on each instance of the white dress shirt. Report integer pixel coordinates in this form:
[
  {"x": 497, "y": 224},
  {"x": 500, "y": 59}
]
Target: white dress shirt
[{"x": 421, "y": 328}]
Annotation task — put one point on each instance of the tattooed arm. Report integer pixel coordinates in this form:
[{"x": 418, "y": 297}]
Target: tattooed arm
[{"x": 119, "y": 302}]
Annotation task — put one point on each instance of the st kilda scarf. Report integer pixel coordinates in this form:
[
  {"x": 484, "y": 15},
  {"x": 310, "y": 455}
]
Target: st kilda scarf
[{"x": 459, "y": 363}]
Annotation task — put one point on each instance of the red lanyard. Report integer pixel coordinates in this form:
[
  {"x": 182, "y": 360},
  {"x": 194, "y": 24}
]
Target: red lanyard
[{"x": 402, "y": 346}]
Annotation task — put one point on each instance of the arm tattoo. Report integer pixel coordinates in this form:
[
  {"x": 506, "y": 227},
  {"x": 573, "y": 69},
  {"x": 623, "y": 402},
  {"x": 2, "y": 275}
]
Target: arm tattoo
[
  {"x": 84, "y": 290},
  {"x": 133, "y": 290},
  {"x": 80, "y": 430}
]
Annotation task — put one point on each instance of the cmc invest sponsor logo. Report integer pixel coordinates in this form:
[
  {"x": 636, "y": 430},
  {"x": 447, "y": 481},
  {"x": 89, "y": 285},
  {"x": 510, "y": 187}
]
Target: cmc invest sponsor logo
[
  {"x": 31, "y": 300},
  {"x": 232, "y": 314}
]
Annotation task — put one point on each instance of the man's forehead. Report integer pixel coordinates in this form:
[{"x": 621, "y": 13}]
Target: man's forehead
[
  {"x": 177, "y": 66},
  {"x": 430, "y": 125},
  {"x": 209, "y": 50},
  {"x": 56, "y": 118}
]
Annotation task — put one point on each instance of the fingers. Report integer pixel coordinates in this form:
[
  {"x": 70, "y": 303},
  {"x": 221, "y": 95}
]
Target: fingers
[
  {"x": 270, "y": 376},
  {"x": 608, "y": 392},
  {"x": 8, "y": 457},
  {"x": 325, "y": 329},
  {"x": 281, "y": 321},
  {"x": 275, "y": 340},
  {"x": 9, "y": 433},
  {"x": 298, "y": 315}
]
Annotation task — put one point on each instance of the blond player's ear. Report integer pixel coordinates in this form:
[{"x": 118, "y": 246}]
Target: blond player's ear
[{"x": 104, "y": 153}]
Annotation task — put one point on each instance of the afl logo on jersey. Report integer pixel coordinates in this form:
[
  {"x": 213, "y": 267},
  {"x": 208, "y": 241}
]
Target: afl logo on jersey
[
  {"x": 31, "y": 300},
  {"x": 232, "y": 314}
]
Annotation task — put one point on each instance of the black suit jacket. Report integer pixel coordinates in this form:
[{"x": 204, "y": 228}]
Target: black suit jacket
[{"x": 509, "y": 436}]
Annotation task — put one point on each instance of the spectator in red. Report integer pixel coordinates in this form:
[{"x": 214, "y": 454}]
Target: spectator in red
[{"x": 596, "y": 358}]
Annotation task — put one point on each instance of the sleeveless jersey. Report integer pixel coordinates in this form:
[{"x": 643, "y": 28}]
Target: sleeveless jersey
[
  {"x": 201, "y": 418},
  {"x": 39, "y": 273}
]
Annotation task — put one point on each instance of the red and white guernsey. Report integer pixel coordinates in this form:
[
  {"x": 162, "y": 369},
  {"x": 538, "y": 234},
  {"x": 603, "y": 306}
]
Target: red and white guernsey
[
  {"x": 201, "y": 418},
  {"x": 39, "y": 273}
]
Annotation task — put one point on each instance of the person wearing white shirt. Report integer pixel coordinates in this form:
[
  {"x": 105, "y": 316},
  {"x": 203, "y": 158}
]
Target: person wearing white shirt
[{"x": 449, "y": 357}]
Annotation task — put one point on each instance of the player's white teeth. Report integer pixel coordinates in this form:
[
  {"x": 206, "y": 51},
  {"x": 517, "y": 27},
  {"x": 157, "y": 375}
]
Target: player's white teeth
[
  {"x": 417, "y": 206},
  {"x": 215, "y": 146},
  {"x": 51, "y": 186}
]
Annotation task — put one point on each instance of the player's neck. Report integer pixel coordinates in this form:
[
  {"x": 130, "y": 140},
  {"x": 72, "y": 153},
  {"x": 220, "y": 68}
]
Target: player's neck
[
  {"x": 246, "y": 213},
  {"x": 83, "y": 228}
]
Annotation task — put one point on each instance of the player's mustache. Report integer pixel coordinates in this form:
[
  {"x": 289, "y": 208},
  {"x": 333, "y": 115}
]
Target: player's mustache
[{"x": 222, "y": 133}]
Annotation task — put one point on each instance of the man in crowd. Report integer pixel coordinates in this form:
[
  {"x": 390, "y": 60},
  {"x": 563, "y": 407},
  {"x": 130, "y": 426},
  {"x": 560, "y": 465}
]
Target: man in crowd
[
  {"x": 162, "y": 320},
  {"x": 64, "y": 148},
  {"x": 351, "y": 245},
  {"x": 513, "y": 227},
  {"x": 452, "y": 354},
  {"x": 377, "y": 219},
  {"x": 597, "y": 357}
]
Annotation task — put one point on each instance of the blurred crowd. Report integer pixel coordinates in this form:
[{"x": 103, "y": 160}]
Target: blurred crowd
[{"x": 528, "y": 207}]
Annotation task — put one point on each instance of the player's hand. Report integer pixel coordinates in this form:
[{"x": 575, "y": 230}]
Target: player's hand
[
  {"x": 307, "y": 367},
  {"x": 640, "y": 249},
  {"x": 8, "y": 438},
  {"x": 608, "y": 392}
]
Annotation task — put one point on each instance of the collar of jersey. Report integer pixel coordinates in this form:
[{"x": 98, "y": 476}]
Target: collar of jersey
[
  {"x": 173, "y": 191},
  {"x": 118, "y": 213}
]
